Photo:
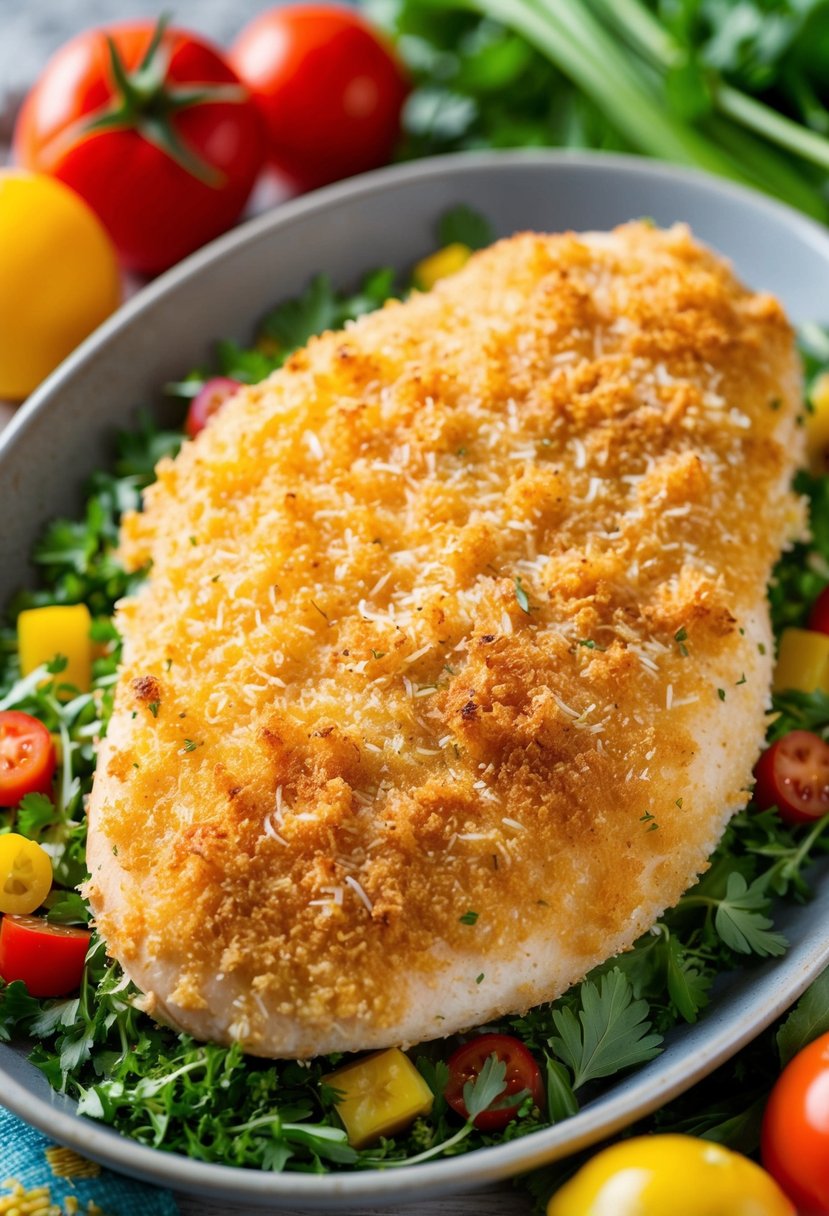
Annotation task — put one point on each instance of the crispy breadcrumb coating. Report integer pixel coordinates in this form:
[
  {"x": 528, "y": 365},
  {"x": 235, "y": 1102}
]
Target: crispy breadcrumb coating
[{"x": 455, "y": 650}]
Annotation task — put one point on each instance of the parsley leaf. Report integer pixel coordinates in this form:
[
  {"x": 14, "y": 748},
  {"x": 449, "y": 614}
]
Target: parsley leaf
[
  {"x": 807, "y": 1020},
  {"x": 561, "y": 1101},
  {"x": 611, "y": 1032},
  {"x": 687, "y": 984},
  {"x": 465, "y": 226},
  {"x": 469, "y": 918},
  {"x": 741, "y": 922},
  {"x": 480, "y": 1093},
  {"x": 35, "y": 813},
  {"x": 292, "y": 323},
  {"x": 521, "y": 596}
]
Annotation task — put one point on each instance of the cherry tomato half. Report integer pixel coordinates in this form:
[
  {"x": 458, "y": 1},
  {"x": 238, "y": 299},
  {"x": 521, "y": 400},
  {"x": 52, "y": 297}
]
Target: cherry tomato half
[
  {"x": 819, "y": 615},
  {"x": 153, "y": 129},
  {"x": 793, "y": 774},
  {"x": 328, "y": 87},
  {"x": 27, "y": 757},
  {"x": 210, "y": 398},
  {"x": 795, "y": 1144},
  {"x": 522, "y": 1074},
  {"x": 48, "y": 958}
]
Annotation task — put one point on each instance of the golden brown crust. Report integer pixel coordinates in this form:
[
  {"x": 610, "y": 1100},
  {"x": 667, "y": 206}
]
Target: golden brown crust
[{"x": 408, "y": 648}]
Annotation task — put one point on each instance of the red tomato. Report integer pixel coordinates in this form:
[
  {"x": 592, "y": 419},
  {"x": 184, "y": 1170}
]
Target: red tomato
[
  {"x": 27, "y": 757},
  {"x": 48, "y": 958},
  {"x": 522, "y": 1073},
  {"x": 210, "y": 398},
  {"x": 154, "y": 129},
  {"x": 796, "y": 1129},
  {"x": 819, "y": 616},
  {"x": 793, "y": 774},
  {"x": 328, "y": 87}
]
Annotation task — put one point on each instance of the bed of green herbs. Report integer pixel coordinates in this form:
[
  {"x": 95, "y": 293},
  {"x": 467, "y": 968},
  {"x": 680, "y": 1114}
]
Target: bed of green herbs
[{"x": 215, "y": 1104}]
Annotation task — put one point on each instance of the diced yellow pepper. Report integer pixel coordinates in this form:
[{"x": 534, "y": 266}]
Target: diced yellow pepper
[
  {"x": 441, "y": 264},
  {"x": 44, "y": 633},
  {"x": 817, "y": 426},
  {"x": 380, "y": 1096},
  {"x": 802, "y": 661}
]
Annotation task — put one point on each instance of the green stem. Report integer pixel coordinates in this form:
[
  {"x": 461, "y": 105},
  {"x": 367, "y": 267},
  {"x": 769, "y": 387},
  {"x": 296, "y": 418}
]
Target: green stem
[
  {"x": 645, "y": 32},
  {"x": 768, "y": 169},
  {"x": 772, "y": 126},
  {"x": 575, "y": 43},
  {"x": 812, "y": 110},
  {"x": 428, "y": 1153}
]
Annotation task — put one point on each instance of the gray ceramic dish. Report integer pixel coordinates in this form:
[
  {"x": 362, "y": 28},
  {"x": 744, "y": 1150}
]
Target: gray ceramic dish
[{"x": 388, "y": 218}]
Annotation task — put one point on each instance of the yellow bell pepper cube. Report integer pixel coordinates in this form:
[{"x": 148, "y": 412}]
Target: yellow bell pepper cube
[
  {"x": 817, "y": 426},
  {"x": 802, "y": 661},
  {"x": 44, "y": 633},
  {"x": 379, "y": 1096},
  {"x": 441, "y": 264}
]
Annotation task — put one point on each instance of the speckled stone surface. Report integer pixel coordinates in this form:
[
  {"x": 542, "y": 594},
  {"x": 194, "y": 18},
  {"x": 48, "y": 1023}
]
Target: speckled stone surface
[{"x": 31, "y": 30}]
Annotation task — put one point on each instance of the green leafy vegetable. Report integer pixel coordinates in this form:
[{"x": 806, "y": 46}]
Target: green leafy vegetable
[
  {"x": 465, "y": 226},
  {"x": 611, "y": 1032},
  {"x": 734, "y": 89},
  {"x": 807, "y": 1021},
  {"x": 741, "y": 921}
]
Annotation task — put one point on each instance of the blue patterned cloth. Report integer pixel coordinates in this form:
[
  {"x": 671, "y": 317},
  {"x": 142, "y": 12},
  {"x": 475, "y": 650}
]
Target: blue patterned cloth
[{"x": 23, "y": 1157}]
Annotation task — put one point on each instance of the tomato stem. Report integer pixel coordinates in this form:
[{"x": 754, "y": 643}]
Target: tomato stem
[{"x": 147, "y": 102}]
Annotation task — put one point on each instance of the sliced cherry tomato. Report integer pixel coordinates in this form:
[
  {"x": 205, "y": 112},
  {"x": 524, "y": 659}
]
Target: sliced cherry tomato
[
  {"x": 793, "y": 775},
  {"x": 48, "y": 958},
  {"x": 153, "y": 128},
  {"x": 796, "y": 1129},
  {"x": 819, "y": 616},
  {"x": 210, "y": 398},
  {"x": 522, "y": 1074},
  {"x": 328, "y": 87},
  {"x": 25, "y": 874},
  {"x": 27, "y": 757}
]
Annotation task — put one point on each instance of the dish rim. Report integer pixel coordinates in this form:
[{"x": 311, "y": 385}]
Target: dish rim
[{"x": 634, "y": 1096}]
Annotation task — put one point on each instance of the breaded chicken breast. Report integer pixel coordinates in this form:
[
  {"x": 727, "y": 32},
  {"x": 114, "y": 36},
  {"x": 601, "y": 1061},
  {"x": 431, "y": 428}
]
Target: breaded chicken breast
[{"x": 452, "y": 660}]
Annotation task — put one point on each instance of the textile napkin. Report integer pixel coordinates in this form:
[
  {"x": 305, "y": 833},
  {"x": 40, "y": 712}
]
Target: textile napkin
[{"x": 65, "y": 1183}]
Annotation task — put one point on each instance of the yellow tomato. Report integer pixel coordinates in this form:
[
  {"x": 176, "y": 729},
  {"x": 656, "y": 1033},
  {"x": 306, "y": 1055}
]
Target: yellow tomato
[
  {"x": 58, "y": 277},
  {"x": 670, "y": 1176},
  {"x": 25, "y": 874}
]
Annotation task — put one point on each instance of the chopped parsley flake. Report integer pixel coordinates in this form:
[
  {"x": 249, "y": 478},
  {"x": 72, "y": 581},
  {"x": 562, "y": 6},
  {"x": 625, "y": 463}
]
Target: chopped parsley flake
[
  {"x": 521, "y": 596},
  {"x": 681, "y": 637},
  {"x": 468, "y": 918},
  {"x": 153, "y": 708},
  {"x": 190, "y": 745},
  {"x": 721, "y": 693}
]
